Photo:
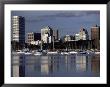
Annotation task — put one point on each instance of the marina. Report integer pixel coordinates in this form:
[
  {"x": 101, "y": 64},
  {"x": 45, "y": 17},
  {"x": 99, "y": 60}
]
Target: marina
[
  {"x": 36, "y": 52},
  {"x": 53, "y": 48}
]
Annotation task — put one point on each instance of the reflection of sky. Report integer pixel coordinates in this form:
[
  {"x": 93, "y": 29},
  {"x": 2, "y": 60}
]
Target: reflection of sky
[{"x": 67, "y": 22}]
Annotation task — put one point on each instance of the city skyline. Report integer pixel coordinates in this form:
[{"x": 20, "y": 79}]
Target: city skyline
[{"x": 67, "y": 22}]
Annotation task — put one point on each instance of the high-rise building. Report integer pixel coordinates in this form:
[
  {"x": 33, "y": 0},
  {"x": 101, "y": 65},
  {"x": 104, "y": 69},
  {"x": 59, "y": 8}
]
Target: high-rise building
[
  {"x": 46, "y": 34},
  {"x": 83, "y": 34},
  {"x": 95, "y": 36},
  {"x": 33, "y": 37},
  {"x": 18, "y": 29},
  {"x": 55, "y": 34}
]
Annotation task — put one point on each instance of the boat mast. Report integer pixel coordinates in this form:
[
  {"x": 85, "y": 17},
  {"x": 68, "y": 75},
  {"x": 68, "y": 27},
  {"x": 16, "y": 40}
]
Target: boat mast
[
  {"x": 53, "y": 42},
  {"x": 41, "y": 45}
]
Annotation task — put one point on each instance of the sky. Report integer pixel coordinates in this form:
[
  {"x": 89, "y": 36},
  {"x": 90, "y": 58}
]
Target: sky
[{"x": 67, "y": 22}]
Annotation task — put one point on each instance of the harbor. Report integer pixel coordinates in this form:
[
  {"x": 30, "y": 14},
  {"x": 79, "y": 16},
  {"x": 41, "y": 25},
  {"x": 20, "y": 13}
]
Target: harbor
[
  {"x": 64, "y": 47},
  {"x": 46, "y": 52}
]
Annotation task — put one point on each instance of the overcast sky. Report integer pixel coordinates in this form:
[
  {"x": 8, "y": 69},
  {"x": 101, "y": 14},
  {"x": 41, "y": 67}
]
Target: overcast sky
[{"x": 67, "y": 22}]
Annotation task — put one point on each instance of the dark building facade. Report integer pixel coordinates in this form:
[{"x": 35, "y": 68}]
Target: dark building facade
[
  {"x": 33, "y": 37},
  {"x": 95, "y": 36}
]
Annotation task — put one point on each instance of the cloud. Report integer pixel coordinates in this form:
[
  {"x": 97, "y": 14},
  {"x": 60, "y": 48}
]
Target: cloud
[
  {"x": 38, "y": 16},
  {"x": 72, "y": 13}
]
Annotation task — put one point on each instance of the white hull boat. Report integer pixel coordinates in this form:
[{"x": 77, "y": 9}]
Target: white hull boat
[
  {"x": 38, "y": 53},
  {"x": 73, "y": 52},
  {"x": 20, "y": 52},
  {"x": 64, "y": 53},
  {"x": 82, "y": 52},
  {"x": 28, "y": 53},
  {"x": 90, "y": 52},
  {"x": 97, "y": 52},
  {"x": 52, "y": 52}
]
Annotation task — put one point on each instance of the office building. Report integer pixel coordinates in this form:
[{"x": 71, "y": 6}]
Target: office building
[
  {"x": 95, "y": 36},
  {"x": 46, "y": 34},
  {"x": 83, "y": 34},
  {"x": 68, "y": 38},
  {"x": 18, "y": 29},
  {"x": 32, "y": 37},
  {"x": 55, "y": 35},
  {"x": 77, "y": 37}
]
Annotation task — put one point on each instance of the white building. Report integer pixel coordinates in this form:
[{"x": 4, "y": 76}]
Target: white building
[
  {"x": 82, "y": 35},
  {"x": 67, "y": 38},
  {"x": 77, "y": 37},
  {"x": 18, "y": 29},
  {"x": 46, "y": 34}
]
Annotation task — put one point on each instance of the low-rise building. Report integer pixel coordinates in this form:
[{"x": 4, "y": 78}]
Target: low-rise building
[
  {"x": 77, "y": 37},
  {"x": 31, "y": 37}
]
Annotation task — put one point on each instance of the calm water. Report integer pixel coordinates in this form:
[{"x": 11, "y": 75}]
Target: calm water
[{"x": 56, "y": 66}]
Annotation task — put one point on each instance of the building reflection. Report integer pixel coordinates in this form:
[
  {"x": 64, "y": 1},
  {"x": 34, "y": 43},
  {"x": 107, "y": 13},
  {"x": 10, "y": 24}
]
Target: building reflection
[
  {"x": 18, "y": 66},
  {"x": 55, "y": 65},
  {"x": 44, "y": 65},
  {"x": 15, "y": 66},
  {"x": 70, "y": 63},
  {"x": 31, "y": 66},
  {"x": 95, "y": 64},
  {"x": 81, "y": 63},
  {"x": 49, "y": 65}
]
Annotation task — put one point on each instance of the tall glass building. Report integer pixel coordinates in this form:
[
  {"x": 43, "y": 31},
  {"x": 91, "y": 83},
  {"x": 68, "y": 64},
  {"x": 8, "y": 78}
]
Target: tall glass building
[{"x": 18, "y": 29}]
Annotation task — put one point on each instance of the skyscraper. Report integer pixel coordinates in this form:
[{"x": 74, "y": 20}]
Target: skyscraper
[
  {"x": 18, "y": 29},
  {"x": 95, "y": 36},
  {"x": 55, "y": 34},
  {"x": 83, "y": 34},
  {"x": 46, "y": 34}
]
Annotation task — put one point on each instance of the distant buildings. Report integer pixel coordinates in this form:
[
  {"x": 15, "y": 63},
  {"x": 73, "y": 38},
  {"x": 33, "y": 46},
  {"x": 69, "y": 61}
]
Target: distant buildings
[
  {"x": 32, "y": 37},
  {"x": 68, "y": 38},
  {"x": 49, "y": 38},
  {"x": 77, "y": 37},
  {"x": 46, "y": 34},
  {"x": 82, "y": 35},
  {"x": 55, "y": 34},
  {"x": 95, "y": 35},
  {"x": 18, "y": 29}
]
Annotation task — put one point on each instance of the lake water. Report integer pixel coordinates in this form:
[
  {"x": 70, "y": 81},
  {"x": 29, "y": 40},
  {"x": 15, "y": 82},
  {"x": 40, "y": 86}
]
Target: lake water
[{"x": 55, "y": 66}]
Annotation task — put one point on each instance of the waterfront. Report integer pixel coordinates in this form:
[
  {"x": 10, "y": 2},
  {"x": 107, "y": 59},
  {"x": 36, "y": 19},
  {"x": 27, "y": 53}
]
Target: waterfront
[{"x": 77, "y": 65}]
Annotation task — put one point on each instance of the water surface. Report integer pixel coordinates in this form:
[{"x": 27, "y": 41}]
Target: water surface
[{"x": 55, "y": 66}]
